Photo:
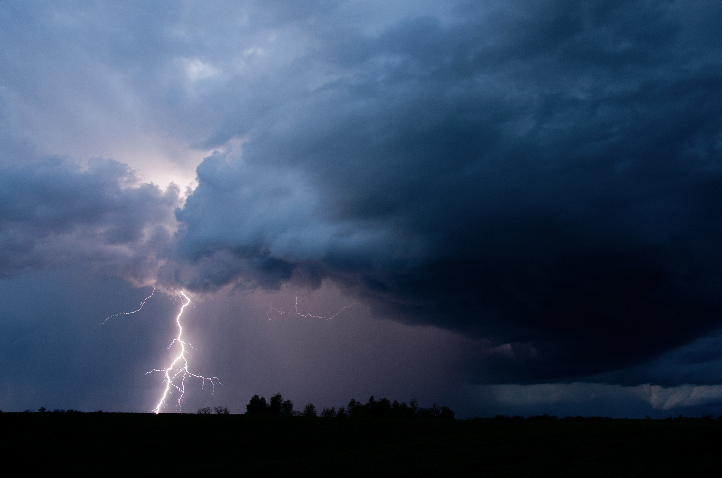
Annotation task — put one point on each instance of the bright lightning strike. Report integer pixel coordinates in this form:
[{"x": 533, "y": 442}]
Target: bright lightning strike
[
  {"x": 307, "y": 315},
  {"x": 131, "y": 312},
  {"x": 178, "y": 369}
]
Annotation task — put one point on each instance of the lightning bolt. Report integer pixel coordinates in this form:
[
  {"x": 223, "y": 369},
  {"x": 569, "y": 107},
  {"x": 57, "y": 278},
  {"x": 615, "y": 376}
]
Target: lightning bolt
[
  {"x": 132, "y": 312},
  {"x": 178, "y": 369},
  {"x": 307, "y": 315}
]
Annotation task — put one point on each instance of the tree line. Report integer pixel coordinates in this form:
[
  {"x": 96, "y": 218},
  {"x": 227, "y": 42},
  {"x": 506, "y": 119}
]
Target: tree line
[{"x": 382, "y": 408}]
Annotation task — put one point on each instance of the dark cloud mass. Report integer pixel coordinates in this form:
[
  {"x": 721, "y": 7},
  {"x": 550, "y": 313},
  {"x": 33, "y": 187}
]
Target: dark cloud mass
[
  {"x": 544, "y": 174},
  {"x": 532, "y": 189}
]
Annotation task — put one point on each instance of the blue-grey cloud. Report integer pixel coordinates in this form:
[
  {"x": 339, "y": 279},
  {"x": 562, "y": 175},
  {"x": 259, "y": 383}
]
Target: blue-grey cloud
[
  {"x": 544, "y": 175},
  {"x": 53, "y": 214}
]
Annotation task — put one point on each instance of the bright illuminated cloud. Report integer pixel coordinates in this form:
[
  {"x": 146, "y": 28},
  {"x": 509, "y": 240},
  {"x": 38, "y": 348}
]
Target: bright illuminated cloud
[{"x": 53, "y": 214}]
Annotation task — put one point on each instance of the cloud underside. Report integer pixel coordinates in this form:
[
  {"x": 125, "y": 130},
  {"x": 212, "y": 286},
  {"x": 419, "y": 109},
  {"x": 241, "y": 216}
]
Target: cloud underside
[
  {"x": 547, "y": 178},
  {"x": 544, "y": 178}
]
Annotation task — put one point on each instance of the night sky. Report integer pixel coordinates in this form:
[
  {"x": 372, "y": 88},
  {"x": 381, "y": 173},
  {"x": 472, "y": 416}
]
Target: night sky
[{"x": 506, "y": 207}]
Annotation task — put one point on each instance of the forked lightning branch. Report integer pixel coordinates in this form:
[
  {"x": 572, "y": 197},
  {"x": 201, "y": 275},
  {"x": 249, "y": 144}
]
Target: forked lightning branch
[{"x": 176, "y": 373}]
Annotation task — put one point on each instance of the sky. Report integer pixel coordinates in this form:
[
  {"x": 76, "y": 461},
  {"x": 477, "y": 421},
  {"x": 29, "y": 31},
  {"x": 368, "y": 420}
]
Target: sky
[{"x": 505, "y": 207}]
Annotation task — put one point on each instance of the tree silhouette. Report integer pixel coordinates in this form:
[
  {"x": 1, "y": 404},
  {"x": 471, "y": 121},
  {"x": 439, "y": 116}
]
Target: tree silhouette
[
  {"x": 382, "y": 408},
  {"x": 414, "y": 406},
  {"x": 309, "y": 410},
  {"x": 275, "y": 405},
  {"x": 446, "y": 413},
  {"x": 257, "y": 406},
  {"x": 287, "y": 408}
]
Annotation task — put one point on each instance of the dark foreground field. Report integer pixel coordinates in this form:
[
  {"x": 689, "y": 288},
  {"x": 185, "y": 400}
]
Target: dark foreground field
[{"x": 111, "y": 444}]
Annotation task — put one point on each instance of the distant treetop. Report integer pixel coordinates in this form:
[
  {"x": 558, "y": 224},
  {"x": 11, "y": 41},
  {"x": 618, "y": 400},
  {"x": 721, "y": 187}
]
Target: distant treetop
[{"x": 382, "y": 408}]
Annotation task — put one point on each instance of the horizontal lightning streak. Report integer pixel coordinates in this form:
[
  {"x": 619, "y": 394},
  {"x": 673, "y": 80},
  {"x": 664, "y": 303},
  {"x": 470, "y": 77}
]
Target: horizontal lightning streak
[
  {"x": 131, "y": 312},
  {"x": 307, "y": 314}
]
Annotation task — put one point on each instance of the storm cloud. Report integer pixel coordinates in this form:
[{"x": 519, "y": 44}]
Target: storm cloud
[
  {"x": 540, "y": 179},
  {"x": 545, "y": 175},
  {"x": 53, "y": 214}
]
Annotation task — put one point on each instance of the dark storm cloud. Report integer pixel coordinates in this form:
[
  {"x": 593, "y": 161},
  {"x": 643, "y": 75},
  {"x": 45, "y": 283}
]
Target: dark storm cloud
[
  {"x": 542, "y": 174},
  {"x": 52, "y": 214}
]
